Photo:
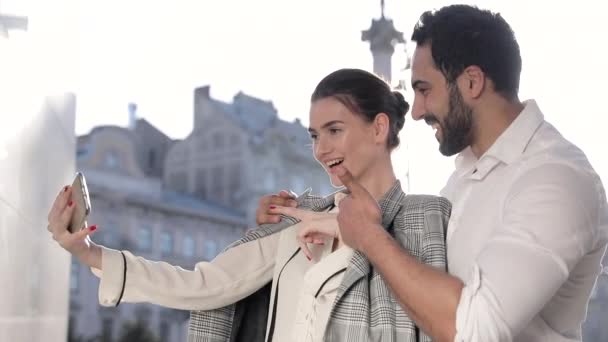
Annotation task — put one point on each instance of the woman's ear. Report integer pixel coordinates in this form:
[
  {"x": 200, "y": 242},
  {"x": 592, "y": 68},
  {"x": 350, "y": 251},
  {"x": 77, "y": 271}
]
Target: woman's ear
[{"x": 381, "y": 127}]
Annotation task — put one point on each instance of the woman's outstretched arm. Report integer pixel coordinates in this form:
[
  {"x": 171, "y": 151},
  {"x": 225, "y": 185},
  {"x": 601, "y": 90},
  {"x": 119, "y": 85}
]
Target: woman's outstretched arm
[{"x": 231, "y": 276}]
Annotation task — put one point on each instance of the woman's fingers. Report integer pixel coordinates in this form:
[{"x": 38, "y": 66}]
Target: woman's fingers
[
  {"x": 61, "y": 224},
  {"x": 305, "y": 249},
  {"x": 84, "y": 233},
  {"x": 60, "y": 202}
]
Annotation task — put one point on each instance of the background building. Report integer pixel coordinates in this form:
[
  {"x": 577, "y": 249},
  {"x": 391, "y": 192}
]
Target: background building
[{"x": 182, "y": 201}]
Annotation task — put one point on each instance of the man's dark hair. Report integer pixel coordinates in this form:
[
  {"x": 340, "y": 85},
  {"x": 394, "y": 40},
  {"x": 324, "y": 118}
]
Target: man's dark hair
[{"x": 461, "y": 36}]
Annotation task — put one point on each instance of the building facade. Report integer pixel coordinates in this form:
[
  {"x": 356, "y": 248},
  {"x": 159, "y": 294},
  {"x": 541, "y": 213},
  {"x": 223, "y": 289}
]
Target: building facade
[{"x": 240, "y": 151}]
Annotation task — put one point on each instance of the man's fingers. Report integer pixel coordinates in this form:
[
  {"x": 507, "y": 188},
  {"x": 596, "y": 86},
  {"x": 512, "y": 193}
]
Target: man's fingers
[
  {"x": 273, "y": 218},
  {"x": 289, "y": 211},
  {"x": 289, "y": 197},
  {"x": 282, "y": 201},
  {"x": 349, "y": 182},
  {"x": 287, "y": 194},
  {"x": 262, "y": 215},
  {"x": 267, "y": 218}
]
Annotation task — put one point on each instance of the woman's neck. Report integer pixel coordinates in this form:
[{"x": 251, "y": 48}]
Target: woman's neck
[{"x": 379, "y": 178}]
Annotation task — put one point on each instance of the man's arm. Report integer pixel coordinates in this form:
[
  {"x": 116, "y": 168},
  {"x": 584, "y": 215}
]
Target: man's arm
[
  {"x": 429, "y": 295},
  {"x": 549, "y": 223}
]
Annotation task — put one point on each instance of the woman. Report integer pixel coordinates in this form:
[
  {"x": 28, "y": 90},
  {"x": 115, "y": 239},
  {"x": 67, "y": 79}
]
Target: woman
[{"x": 272, "y": 285}]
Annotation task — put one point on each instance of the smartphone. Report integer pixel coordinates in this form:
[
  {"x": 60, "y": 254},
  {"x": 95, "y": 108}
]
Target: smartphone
[{"x": 80, "y": 197}]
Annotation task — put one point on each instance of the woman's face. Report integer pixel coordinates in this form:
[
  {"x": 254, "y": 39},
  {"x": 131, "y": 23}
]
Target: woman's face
[{"x": 340, "y": 136}]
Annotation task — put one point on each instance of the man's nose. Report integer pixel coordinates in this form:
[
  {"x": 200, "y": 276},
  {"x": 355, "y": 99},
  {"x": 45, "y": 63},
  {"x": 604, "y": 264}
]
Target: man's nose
[{"x": 418, "y": 110}]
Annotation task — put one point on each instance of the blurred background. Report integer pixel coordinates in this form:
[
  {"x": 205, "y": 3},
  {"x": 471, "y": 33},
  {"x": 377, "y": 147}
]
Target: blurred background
[{"x": 181, "y": 114}]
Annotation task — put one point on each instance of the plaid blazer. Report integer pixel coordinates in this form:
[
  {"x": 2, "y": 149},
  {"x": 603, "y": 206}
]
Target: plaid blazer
[{"x": 364, "y": 308}]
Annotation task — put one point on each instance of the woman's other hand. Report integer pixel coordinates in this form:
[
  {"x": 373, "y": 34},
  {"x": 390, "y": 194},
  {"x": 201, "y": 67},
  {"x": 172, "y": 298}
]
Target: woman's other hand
[
  {"x": 264, "y": 212},
  {"x": 315, "y": 227}
]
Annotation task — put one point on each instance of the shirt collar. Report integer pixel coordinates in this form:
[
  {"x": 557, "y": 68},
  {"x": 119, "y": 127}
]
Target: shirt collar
[{"x": 509, "y": 145}]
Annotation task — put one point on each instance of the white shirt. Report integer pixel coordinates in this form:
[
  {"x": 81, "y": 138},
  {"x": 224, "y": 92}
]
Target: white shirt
[
  {"x": 528, "y": 230},
  {"x": 307, "y": 290},
  {"x": 307, "y": 294}
]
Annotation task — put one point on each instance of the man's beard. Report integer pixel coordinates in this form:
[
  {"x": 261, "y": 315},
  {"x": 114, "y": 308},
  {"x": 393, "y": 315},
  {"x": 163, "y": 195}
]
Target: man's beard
[{"x": 457, "y": 128}]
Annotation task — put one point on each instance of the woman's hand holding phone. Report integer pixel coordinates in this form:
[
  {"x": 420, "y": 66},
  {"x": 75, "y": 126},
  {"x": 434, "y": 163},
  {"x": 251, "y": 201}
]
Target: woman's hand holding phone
[{"x": 78, "y": 244}]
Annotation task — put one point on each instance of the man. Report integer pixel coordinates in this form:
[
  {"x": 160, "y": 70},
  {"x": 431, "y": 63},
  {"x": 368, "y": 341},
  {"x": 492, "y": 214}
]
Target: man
[{"x": 529, "y": 221}]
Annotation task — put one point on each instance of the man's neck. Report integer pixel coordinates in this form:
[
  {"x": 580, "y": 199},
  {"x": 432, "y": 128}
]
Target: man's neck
[{"x": 491, "y": 121}]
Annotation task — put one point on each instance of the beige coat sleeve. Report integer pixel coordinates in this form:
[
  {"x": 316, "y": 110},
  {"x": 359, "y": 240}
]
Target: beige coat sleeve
[{"x": 231, "y": 276}]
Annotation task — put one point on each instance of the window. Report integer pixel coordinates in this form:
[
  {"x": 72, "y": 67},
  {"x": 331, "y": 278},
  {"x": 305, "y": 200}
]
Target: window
[
  {"x": 178, "y": 182},
  {"x": 217, "y": 183},
  {"x": 107, "y": 327},
  {"x": 202, "y": 144},
  {"x": 166, "y": 243},
  {"x": 144, "y": 239},
  {"x": 189, "y": 246},
  {"x": 165, "y": 331},
  {"x": 151, "y": 159},
  {"x": 111, "y": 160},
  {"x": 210, "y": 249},
  {"x": 218, "y": 141},
  {"x": 235, "y": 141},
  {"x": 234, "y": 179},
  {"x": 72, "y": 328},
  {"x": 143, "y": 315},
  {"x": 201, "y": 183},
  {"x": 74, "y": 275},
  {"x": 81, "y": 152}
]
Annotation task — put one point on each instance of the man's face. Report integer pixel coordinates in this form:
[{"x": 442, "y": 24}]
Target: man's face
[{"x": 440, "y": 104}]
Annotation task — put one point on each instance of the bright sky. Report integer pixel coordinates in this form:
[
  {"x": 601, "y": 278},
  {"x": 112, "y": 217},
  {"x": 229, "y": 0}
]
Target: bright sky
[{"x": 155, "y": 52}]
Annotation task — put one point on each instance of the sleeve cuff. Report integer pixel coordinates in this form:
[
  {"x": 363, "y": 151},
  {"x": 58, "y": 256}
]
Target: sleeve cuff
[
  {"x": 464, "y": 306},
  {"x": 113, "y": 277},
  {"x": 478, "y": 314}
]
